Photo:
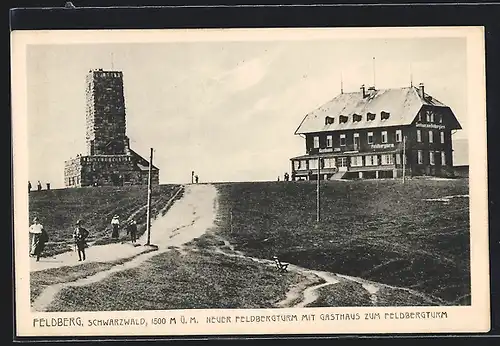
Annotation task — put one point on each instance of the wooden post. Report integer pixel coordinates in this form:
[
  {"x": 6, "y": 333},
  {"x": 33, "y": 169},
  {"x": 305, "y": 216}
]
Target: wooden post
[
  {"x": 404, "y": 158},
  {"x": 148, "y": 220},
  {"x": 317, "y": 192}
]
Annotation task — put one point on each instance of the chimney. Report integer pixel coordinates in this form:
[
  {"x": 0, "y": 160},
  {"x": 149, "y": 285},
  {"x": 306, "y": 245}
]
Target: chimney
[
  {"x": 363, "y": 91},
  {"x": 421, "y": 90}
]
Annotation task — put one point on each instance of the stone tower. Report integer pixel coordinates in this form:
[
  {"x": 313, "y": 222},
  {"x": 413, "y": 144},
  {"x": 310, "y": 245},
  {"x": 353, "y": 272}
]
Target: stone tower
[
  {"x": 109, "y": 160},
  {"x": 105, "y": 113}
]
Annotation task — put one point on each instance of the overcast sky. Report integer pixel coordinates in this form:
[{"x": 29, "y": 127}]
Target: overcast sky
[{"x": 227, "y": 110}]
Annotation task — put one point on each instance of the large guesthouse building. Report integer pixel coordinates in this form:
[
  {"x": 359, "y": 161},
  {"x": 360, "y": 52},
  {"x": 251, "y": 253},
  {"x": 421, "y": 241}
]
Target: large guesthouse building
[{"x": 377, "y": 134}]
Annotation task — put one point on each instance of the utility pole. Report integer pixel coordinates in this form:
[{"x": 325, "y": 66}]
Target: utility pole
[
  {"x": 148, "y": 221},
  {"x": 317, "y": 192},
  {"x": 404, "y": 158}
]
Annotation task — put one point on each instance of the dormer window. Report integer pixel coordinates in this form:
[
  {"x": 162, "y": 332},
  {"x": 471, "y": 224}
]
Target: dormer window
[
  {"x": 370, "y": 116},
  {"x": 356, "y": 117},
  {"x": 343, "y": 119},
  {"x": 384, "y": 115},
  {"x": 329, "y": 120}
]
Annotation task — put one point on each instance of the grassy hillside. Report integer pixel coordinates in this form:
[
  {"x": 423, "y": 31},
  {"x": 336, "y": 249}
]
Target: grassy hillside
[
  {"x": 59, "y": 209},
  {"x": 378, "y": 230},
  {"x": 171, "y": 280}
]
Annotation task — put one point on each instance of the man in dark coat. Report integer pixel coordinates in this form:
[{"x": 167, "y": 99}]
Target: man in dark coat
[
  {"x": 132, "y": 230},
  {"x": 80, "y": 236}
]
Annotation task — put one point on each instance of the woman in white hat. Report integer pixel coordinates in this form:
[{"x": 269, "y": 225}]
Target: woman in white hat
[{"x": 115, "y": 223}]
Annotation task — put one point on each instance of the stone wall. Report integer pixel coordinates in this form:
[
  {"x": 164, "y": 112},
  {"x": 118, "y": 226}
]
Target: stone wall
[
  {"x": 73, "y": 172},
  {"x": 106, "y": 170}
]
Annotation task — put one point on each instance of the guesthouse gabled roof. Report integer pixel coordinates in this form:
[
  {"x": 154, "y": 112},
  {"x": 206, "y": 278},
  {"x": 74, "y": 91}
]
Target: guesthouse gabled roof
[{"x": 402, "y": 104}]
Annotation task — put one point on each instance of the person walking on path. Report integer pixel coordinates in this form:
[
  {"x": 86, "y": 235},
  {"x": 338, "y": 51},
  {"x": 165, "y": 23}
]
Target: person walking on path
[
  {"x": 39, "y": 186},
  {"x": 132, "y": 230},
  {"x": 40, "y": 244},
  {"x": 80, "y": 236},
  {"x": 115, "y": 223},
  {"x": 36, "y": 230}
]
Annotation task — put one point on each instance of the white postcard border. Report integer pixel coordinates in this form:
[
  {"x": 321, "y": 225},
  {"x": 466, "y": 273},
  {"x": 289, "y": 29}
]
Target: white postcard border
[{"x": 463, "y": 319}]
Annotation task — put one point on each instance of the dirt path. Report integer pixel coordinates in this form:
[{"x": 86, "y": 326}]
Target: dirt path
[
  {"x": 188, "y": 218},
  {"x": 306, "y": 292},
  {"x": 98, "y": 253}
]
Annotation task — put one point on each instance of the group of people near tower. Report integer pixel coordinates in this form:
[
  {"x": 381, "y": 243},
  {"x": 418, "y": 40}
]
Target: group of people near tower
[{"x": 39, "y": 236}]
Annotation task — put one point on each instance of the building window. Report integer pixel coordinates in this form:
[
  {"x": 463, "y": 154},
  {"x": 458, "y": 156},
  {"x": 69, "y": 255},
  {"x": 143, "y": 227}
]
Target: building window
[
  {"x": 329, "y": 141},
  {"x": 370, "y": 116},
  {"x": 371, "y": 160},
  {"x": 420, "y": 158},
  {"x": 342, "y": 140},
  {"x": 356, "y": 117},
  {"x": 356, "y": 161},
  {"x": 343, "y": 162},
  {"x": 431, "y": 157},
  {"x": 343, "y": 119},
  {"x": 384, "y": 115},
  {"x": 398, "y": 159},
  {"x": 316, "y": 142},
  {"x": 370, "y": 137},
  {"x": 419, "y": 136},
  {"x": 439, "y": 118},
  {"x": 399, "y": 136},
  {"x": 443, "y": 158},
  {"x": 387, "y": 159},
  {"x": 296, "y": 164},
  {"x": 384, "y": 136},
  {"x": 431, "y": 136},
  {"x": 329, "y": 120},
  {"x": 441, "y": 135},
  {"x": 313, "y": 164},
  {"x": 356, "y": 140},
  {"x": 329, "y": 162},
  {"x": 430, "y": 116}
]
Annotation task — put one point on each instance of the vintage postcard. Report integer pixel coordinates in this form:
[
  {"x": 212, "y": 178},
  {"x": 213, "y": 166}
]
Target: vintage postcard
[{"x": 250, "y": 181}]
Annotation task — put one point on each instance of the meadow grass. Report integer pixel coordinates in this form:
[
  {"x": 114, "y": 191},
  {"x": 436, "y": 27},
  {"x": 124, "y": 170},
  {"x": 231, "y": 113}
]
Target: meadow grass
[
  {"x": 58, "y": 210},
  {"x": 187, "y": 280},
  {"x": 380, "y": 230}
]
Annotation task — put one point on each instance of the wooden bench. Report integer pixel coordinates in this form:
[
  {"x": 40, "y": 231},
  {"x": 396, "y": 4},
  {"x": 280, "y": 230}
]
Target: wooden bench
[{"x": 282, "y": 267}]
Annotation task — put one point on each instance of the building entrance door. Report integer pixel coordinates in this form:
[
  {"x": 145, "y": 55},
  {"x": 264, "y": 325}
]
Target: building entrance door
[{"x": 116, "y": 179}]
